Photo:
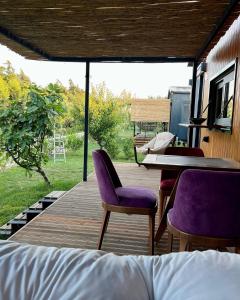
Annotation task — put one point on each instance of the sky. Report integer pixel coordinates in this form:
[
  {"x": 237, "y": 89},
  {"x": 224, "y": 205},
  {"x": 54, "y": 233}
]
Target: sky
[{"x": 143, "y": 80}]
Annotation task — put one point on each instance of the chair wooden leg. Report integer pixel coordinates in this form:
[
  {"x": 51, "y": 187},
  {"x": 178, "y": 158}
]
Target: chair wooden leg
[
  {"x": 151, "y": 232},
  {"x": 183, "y": 244},
  {"x": 103, "y": 228},
  {"x": 237, "y": 250},
  {"x": 170, "y": 242},
  {"x": 189, "y": 247},
  {"x": 107, "y": 221},
  {"x": 162, "y": 200}
]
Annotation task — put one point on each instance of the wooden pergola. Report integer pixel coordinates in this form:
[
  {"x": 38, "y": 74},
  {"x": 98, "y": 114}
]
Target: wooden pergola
[
  {"x": 149, "y": 111},
  {"x": 115, "y": 31}
]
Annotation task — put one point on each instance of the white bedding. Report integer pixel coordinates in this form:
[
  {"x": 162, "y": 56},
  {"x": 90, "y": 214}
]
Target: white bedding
[{"x": 37, "y": 272}]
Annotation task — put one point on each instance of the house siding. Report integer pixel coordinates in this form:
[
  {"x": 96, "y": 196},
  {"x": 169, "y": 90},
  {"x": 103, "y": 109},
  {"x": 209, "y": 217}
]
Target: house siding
[{"x": 226, "y": 50}]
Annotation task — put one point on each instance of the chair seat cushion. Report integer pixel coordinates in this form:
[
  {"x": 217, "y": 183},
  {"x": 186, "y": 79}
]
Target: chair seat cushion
[
  {"x": 167, "y": 184},
  {"x": 136, "y": 197}
]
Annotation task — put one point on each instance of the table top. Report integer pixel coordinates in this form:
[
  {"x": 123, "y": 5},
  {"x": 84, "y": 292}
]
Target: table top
[{"x": 175, "y": 162}]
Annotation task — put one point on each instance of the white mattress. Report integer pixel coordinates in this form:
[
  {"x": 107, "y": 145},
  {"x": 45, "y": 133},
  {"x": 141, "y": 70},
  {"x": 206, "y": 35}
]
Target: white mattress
[{"x": 37, "y": 272}]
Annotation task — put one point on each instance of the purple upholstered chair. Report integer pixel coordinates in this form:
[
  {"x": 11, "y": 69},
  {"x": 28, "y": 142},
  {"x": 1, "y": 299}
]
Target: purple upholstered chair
[
  {"x": 115, "y": 197},
  {"x": 168, "y": 178},
  {"x": 206, "y": 209}
]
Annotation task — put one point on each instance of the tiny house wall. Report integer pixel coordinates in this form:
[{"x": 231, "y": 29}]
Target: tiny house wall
[
  {"x": 180, "y": 111},
  {"x": 222, "y": 144}
]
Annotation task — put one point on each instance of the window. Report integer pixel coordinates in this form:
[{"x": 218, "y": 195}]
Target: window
[
  {"x": 198, "y": 100},
  {"x": 221, "y": 99}
]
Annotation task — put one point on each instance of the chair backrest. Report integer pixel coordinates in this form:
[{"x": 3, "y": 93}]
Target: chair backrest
[
  {"x": 183, "y": 151},
  {"x": 107, "y": 177},
  {"x": 163, "y": 139},
  {"x": 208, "y": 203},
  {"x": 158, "y": 144}
]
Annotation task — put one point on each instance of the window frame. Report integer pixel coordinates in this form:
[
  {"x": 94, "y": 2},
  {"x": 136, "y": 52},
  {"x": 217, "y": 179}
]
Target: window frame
[{"x": 219, "y": 88}]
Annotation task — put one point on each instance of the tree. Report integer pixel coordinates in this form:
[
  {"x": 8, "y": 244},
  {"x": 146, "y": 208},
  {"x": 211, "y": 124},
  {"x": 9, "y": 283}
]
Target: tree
[
  {"x": 4, "y": 90},
  {"x": 74, "y": 100},
  {"x": 104, "y": 118},
  {"x": 12, "y": 85},
  {"x": 25, "y": 125},
  {"x": 3, "y": 160}
]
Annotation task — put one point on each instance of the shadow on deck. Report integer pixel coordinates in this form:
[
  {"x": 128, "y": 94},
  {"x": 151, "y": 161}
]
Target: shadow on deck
[{"x": 74, "y": 220}]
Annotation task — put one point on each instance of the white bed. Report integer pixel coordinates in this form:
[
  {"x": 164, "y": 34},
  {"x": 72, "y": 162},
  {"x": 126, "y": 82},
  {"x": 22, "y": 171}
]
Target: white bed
[{"x": 37, "y": 273}]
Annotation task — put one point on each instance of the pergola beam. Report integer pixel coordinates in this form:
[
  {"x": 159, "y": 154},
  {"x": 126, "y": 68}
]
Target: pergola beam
[
  {"x": 8, "y": 34},
  {"x": 217, "y": 27},
  {"x": 115, "y": 59}
]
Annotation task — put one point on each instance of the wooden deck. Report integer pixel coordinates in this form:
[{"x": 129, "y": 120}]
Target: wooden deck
[{"x": 74, "y": 219}]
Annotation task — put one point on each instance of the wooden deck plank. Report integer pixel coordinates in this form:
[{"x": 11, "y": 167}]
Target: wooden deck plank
[{"x": 74, "y": 219}]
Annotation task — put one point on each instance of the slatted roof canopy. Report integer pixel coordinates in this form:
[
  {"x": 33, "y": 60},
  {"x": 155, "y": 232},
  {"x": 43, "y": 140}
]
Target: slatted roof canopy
[{"x": 82, "y": 29}]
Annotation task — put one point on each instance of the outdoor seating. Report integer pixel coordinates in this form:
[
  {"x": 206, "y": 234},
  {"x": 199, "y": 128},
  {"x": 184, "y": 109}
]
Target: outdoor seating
[
  {"x": 206, "y": 209},
  {"x": 156, "y": 145},
  {"x": 168, "y": 178},
  {"x": 116, "y": 198}
]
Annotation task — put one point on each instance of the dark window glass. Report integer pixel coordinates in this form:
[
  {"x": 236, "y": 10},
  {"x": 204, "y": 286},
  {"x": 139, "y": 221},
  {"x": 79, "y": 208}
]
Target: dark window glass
[{"x": 221, "y": 99}]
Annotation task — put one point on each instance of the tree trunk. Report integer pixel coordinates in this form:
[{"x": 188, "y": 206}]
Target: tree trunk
[{"x": 40, "y": 171}]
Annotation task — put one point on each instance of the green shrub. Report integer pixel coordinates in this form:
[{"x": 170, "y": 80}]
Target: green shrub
[
  {"x": 127, "y": 147},
  {"x": 112, "y": 147},
  {"x": 74, "y": 142}
]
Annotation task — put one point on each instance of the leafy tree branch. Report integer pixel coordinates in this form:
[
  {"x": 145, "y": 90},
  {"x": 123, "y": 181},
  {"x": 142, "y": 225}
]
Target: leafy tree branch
[{"x": 25, "y": 125}]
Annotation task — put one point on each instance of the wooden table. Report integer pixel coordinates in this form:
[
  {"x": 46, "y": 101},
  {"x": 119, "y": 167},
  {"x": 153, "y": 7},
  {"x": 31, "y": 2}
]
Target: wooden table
[
  {"x": 180, "y": 163},
  {"x": 177, "y": 162}
]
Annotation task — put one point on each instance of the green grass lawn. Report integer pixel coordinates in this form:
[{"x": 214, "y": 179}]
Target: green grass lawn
[{"x": 18, "y": 191}]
